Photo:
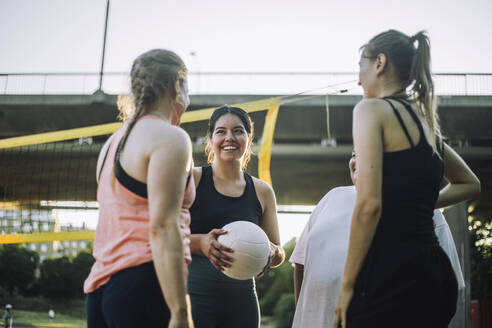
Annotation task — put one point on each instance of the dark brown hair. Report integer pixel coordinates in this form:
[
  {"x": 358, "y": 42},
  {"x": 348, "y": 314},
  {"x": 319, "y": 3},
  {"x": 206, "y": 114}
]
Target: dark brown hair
[
  {"x": 245, "y": 119},
  {"x": 154, "y": 74},
  {"x": 412, "y": 67}
]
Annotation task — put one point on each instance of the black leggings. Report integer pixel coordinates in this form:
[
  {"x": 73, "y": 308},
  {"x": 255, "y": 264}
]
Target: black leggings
[
  {"x": 218, "y": 301},
  {"x": 131, "y": 298},
  {"x": 234, "y": 311}
]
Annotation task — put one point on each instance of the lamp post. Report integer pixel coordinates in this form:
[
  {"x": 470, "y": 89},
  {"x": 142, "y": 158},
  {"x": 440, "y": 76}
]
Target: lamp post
[{"x": 104, "y": 46}]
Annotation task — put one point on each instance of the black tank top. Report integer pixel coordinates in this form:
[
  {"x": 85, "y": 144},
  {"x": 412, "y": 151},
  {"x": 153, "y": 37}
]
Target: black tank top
[
  {"x": 213, "y": 210},
  {"x": 410, "y": 188}
]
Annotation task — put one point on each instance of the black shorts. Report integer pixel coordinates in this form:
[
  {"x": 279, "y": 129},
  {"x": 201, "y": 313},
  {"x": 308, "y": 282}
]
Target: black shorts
[{"x": 131, "y": 298}]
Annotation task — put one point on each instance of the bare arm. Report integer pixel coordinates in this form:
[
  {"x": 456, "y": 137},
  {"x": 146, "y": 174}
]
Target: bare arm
[
  {"x": 269, "y": 224},
  {"x": 463, "y": 183},
  {"x": 195, "y": 239},
  {"x": 368, "y": 142},
  {"x": 165, "y": 189},
  {"x": 298, "y": 277}
]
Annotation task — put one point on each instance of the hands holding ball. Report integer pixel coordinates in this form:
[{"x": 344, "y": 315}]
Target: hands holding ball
[{"x": 241, "y": 250}]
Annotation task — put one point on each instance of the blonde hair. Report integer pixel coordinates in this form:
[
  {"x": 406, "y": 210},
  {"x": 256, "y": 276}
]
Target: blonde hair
[{"x": 153, "y": 74}]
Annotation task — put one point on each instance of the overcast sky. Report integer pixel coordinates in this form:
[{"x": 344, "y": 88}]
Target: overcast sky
[{"x": 228, "y": 35}]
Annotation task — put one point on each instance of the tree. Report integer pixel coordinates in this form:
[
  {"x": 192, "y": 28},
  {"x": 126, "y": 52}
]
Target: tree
[
  {"x": 480, "y": 257},
  {"x": 276, "y": 282},
  {"x": 82, "y": 265},
  {"x": 18, "y": 267},
  {"x": 57, "y": 279},
  {"x": 284, "y": 310}
]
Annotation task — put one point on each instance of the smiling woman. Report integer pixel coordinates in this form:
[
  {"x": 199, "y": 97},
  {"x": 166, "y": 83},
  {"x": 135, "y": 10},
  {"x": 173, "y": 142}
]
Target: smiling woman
[
  {"x": 225, "y": 193},
  {"x": 237, "y": 122}
]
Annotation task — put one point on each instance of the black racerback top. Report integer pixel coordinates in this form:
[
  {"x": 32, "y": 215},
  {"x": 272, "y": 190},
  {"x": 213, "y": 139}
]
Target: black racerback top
[
  {"x": 405, "y": 270},
  {"x": 410, "y": 188},
  {"x": 213, "y": 210}
]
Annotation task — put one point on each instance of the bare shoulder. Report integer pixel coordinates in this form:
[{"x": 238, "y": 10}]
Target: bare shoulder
[
  {"x": 158, "y": 132},
  {"x": 263, "y": 189},
  {"x": 371, "y": 110},
  {"x": 372, "y": 106}
]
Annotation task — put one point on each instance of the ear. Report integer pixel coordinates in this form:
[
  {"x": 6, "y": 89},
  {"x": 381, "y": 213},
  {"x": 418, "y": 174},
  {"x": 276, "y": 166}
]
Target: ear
[{"x": 381, "y": 63}]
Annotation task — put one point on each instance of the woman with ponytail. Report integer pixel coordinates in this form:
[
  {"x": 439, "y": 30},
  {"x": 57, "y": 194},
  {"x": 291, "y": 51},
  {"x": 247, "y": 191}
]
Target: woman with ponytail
[
  {"x": 145, "y": 189},
  {"x": 396, "y": 274}
]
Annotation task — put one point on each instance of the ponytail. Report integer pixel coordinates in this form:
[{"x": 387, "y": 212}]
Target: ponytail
[
  {"x": 412, "y": 68},
  {"x": 422, "y": 86}
]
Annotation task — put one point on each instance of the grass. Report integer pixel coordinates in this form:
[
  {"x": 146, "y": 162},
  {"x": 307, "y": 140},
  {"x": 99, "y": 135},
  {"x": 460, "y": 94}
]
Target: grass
[{"x": 40, "y": 319}]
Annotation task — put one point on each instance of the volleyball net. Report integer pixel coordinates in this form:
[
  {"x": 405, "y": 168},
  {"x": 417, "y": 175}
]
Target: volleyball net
[{"x": 48, "y": 185}]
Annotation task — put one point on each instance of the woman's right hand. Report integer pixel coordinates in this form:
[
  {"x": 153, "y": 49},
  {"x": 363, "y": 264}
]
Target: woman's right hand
[
  {"x": 214, "y": 251},
  {"x": 180, "y": 321},
  {"x": 182, "y": 318}
]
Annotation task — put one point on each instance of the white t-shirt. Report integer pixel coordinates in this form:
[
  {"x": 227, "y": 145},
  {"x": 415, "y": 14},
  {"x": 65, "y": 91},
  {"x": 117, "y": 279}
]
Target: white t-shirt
[{"x": 322, "y": 249}]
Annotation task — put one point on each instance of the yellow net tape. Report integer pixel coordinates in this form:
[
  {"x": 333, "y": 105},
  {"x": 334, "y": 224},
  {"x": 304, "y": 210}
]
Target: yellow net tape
[
  {"x": 103, "y": 129},
  {"x": 266, "y": 145},
  {"x": 36, "y": 139},
  {"x": 250, "y": 106},
  {"x": 46, "y": 237}
]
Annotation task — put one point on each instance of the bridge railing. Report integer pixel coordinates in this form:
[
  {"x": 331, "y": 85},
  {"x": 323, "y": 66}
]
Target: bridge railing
[{"x": 231, "y": 83}]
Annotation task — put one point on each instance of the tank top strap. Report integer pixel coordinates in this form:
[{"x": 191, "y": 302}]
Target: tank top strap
[
  {"x": 249, "y": 182},
  {"x": 414, "y": 117},
  {"x": 206, "y": 174},
  {"x": 206, "y": 181},
  {"x": 104, "y": 160},
  {"x": 400, "y": 120},
  {"x": 440, "y": 146}
]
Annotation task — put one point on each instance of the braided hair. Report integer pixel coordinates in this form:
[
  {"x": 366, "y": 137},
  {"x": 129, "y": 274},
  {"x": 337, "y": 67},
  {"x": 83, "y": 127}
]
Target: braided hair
[{"x": 154, "y": 74}]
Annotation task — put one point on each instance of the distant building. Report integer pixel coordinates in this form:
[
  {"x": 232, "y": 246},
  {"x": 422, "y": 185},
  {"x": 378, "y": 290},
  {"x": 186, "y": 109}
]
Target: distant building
[{"x": 13, "y": 221}]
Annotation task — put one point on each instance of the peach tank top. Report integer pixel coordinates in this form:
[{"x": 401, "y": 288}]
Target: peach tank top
[{"x": 122, "y": 234}]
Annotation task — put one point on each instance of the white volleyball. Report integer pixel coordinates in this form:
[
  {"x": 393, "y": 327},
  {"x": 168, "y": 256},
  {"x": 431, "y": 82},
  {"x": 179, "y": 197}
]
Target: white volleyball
[{"x": 251, "y": 249}]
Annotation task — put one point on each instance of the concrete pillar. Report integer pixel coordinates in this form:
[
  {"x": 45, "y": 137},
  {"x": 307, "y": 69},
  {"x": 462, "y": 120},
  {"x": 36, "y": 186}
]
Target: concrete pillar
[{"x": 457, "y": 218}]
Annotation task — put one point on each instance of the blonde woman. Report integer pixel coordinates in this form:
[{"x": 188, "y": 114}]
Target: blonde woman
[{"x": 145, "y": 188}]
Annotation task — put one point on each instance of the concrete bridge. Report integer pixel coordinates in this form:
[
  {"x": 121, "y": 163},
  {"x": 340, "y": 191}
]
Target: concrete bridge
[{"x": 308, "y": 158}]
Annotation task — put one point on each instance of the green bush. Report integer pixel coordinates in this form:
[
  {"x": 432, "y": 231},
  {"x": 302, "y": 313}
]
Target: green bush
[
  {"x": 480, "y": 231},
  {"x": 57, "y": 279},
  {"x": 81, "y": 266},
  {"x": 284, "y": 311},
  {"x": 276, "y": 282},
  {"x": 18, "y": 266}
]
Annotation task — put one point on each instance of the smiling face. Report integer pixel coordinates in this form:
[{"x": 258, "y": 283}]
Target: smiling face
[{"x": 229, "y": 139}]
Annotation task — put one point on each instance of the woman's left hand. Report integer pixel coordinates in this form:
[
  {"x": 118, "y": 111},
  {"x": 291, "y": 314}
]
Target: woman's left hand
[
  {"x": 270, "y": 258},
  {"x": 344, "y": 299}
]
